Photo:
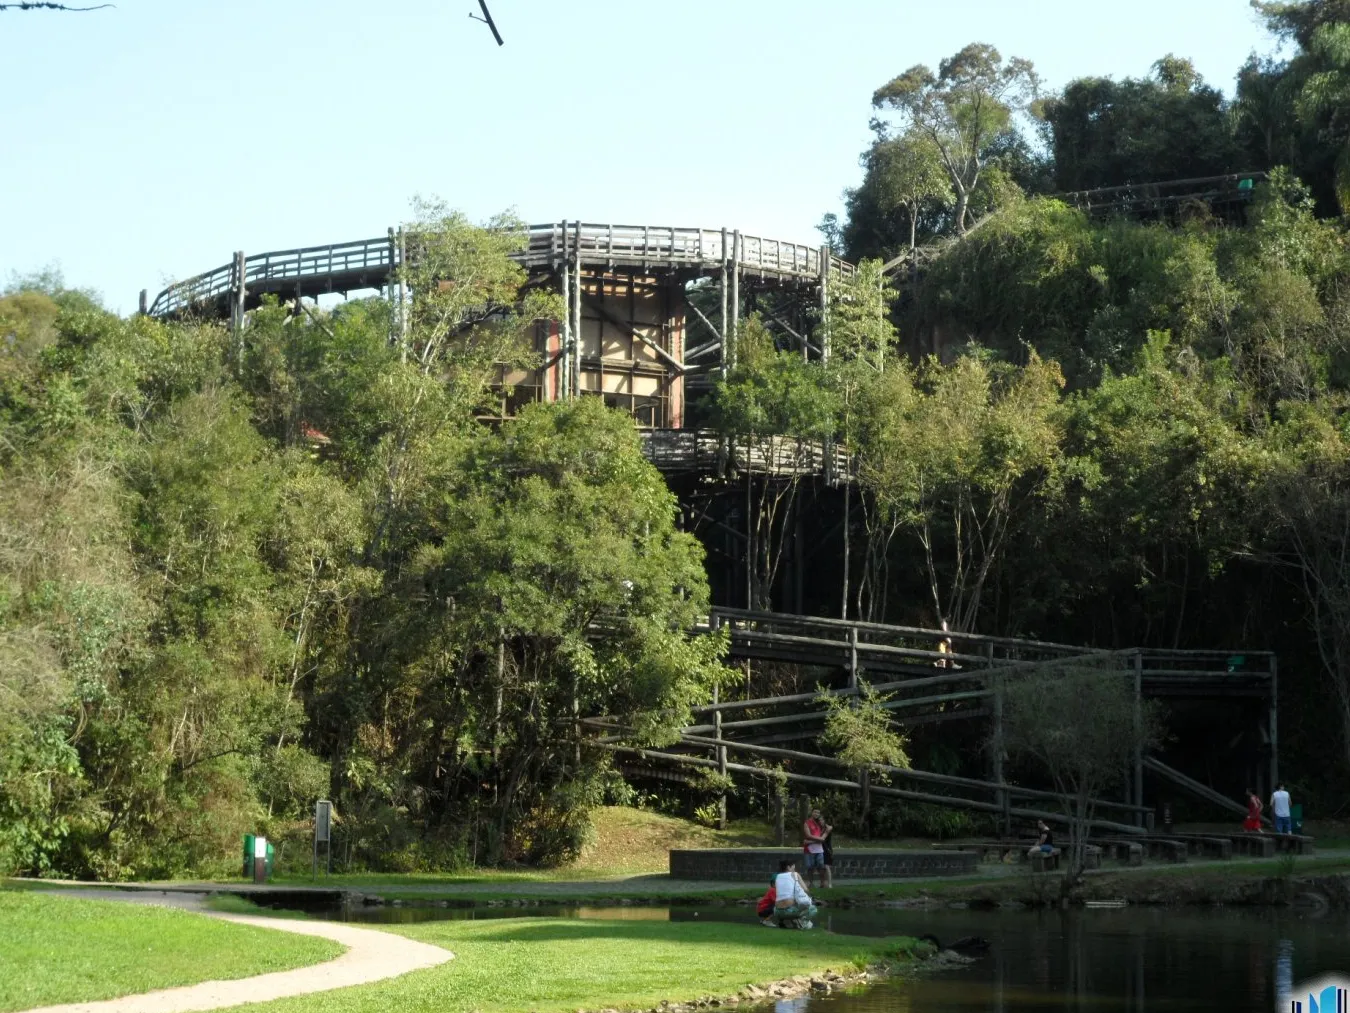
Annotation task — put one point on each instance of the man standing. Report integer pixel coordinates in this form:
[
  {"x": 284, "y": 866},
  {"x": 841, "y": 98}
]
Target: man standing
[
  {"x": 814, "y": 832},
  {"x": 1280, "y": 810}
]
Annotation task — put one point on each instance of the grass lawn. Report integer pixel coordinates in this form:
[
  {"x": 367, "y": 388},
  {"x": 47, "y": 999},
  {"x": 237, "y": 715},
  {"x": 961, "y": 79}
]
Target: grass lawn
[
  {"x": 64, "y": 949},
  {"x": 552, "y": 965}
]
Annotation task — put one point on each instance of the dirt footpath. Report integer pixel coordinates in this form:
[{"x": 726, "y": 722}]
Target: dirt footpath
[{"x": 371, "y": 956}]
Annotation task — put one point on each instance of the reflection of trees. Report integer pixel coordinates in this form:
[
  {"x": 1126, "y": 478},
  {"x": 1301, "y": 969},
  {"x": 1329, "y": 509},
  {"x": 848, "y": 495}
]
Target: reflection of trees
[{"x": 1135, "y": 961}]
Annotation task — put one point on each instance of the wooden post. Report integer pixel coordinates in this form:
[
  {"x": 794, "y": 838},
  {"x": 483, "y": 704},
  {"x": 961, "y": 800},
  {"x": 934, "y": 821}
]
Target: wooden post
[
  {"x": 564, "y": 367},
  {"x": 997, "y": 747},
  {"x": 574, "y": 382},
  {"x": 237, "y": 316},
  {"x": 145, "y": 302},
  {"x": 1274, "y": 725},
  {"x": 776, "y": 809},
  {"x": 799, "y": 563},
  {"x": 576, "y": 720},
  {"x": 864, "y": 799},
  {"x": 395, "y": 327},
  {"x": 404, "y": 312},
  {"x": 721, "y": 765},
  {"x": 1138, "y": 734},
  {"x": 726, "y": 334},
  {"x": 853, "y": 657},
  {"x": 825, "y": 303},
  {"x": 735, "y": 292}
]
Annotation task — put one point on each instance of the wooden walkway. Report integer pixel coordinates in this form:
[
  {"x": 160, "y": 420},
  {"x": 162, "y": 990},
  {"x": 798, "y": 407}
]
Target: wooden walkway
[
  {"x": 705, "y": 451},
  {"x": 1221, "y": 194},
  {"x": 369, "y": 263},
  {"x": 930, "y": 676}
]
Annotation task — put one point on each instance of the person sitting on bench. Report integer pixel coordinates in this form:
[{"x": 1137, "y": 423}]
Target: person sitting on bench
[{"x": 1045, "y": 844}]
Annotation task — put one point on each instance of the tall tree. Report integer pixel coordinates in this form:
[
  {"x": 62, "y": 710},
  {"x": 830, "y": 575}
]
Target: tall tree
[
  {"x": 1167, "y": 126},
  {"x": 1083, "y": 725},
  {"x": 961, "y": 109},
  {"x": 954, "y": 455},
  {"x": 909, "y": 173}
]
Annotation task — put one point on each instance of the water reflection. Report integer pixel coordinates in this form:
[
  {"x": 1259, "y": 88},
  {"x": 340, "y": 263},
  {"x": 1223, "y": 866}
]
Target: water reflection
[{"x": 1119, "y": 960}]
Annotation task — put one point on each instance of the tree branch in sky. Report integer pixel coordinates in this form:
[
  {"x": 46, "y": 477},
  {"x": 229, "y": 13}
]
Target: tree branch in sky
[{"x": 487, "y": 20}]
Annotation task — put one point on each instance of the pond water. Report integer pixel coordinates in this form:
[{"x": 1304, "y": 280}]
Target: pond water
[{"x": 1129, "y": 959}]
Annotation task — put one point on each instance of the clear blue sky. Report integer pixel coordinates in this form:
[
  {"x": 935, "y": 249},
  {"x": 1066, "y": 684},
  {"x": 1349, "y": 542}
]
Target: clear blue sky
[{"x": 147, "y": 142}]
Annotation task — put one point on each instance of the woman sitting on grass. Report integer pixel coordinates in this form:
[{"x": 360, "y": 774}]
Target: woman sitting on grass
[{"x": 792, "y": 907}]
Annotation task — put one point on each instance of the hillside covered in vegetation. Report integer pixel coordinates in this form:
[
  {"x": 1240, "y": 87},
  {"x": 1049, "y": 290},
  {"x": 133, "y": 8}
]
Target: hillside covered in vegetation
[{"x": 235, "y": 578}]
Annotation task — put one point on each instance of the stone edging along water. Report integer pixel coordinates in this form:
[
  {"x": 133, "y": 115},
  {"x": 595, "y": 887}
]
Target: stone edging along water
[{"x": 924, "y": 959}]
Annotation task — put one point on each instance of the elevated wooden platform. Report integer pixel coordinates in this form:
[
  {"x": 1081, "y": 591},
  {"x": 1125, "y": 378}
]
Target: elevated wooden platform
[
  {"x": 368, "y": 263},
  {"x": 705, "y": 451},
  {"x": 932, "y": 676}
]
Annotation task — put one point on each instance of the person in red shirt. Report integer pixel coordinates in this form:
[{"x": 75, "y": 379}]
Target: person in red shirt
[
  {"x": 814, "y": 832},
  {"x": 1254, "y": 807}
]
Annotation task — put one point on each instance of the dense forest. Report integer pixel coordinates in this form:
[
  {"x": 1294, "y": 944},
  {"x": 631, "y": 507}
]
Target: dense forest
[{"x": 238, "y": 577}]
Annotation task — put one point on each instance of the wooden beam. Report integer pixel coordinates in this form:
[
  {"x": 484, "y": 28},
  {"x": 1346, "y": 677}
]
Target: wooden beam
[
  {"x": 707, "y": 323},
  {"x": 916, "y": 775},
  {"x": 913, "y": 796},
  {"x": 632, "y": 332}
]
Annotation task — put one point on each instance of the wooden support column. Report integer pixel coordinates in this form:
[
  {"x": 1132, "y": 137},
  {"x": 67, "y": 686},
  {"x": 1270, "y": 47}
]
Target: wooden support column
[
  {"x": 239, "y": 294},
  {"x": 998, "y": 747},
  {"x": 1138, "y": 734},
  {"x": 735, "y": 292},
  {"x": 825, "y": 303},
  {"x": 574, "y": 382},
  {"x": 576, "y": 720},
  {"x": 864, "y": 800},
  {"x": 726, "y": 333},
  {"x": 853, "y": 657},
  {"x": 777, "y": 807},
  {"x": 721, "y": 765},
  {"x": 1274, "y": 724},
  {"x": 144, "y": 302},
  {"x": 404, "y": 308},
  {"x": 564, "y": 363},
  {"x": 799, "y": 562}
]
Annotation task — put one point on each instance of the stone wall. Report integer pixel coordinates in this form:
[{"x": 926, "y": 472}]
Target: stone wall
[{"x": 759, "y": 865}]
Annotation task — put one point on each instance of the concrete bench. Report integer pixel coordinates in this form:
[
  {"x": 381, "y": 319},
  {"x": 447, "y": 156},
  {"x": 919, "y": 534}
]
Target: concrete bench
[
  {"x": 1207, "y": 846},
  {"x": 1125, "y": 851},
  {"x": 1043, "y": 861},
  {"x": 988, "y": 851},
  {"x": 1166, "y": 849},
  {"x": 1253, "y": 845},
  {"x": 1298, "y": 844}
]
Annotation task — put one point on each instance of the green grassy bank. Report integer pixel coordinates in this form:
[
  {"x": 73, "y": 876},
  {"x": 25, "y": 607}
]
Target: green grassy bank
[
  {"x": 65, "y": 949},
  {"x": 550, "y": 965}
]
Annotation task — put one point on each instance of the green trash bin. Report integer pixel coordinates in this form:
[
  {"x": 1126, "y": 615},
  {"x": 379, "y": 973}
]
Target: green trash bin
[
  {"x": 1296, "y": 817},
  {"x": 251, "y": 856}
]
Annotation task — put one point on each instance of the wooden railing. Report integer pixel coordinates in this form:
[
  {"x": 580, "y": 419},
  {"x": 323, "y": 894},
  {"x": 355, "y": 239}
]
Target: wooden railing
[
  {"x": 1147, "y": 198},
  {"x": 369, "y": 261},
  {"x": 707, "y": 451}
]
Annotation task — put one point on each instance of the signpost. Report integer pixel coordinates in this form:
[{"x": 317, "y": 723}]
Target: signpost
[{"x": 323, "y": 834}]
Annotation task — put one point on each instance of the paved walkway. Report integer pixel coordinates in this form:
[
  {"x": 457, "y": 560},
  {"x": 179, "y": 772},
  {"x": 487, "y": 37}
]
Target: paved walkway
[{"x": 371, "y": 956}]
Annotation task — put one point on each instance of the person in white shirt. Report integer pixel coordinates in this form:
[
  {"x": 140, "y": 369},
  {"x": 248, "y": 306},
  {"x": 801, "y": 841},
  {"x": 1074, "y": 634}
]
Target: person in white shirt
[
  {"x": 792, "y": 906},
  {"x": 1280, "y": 810}
]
